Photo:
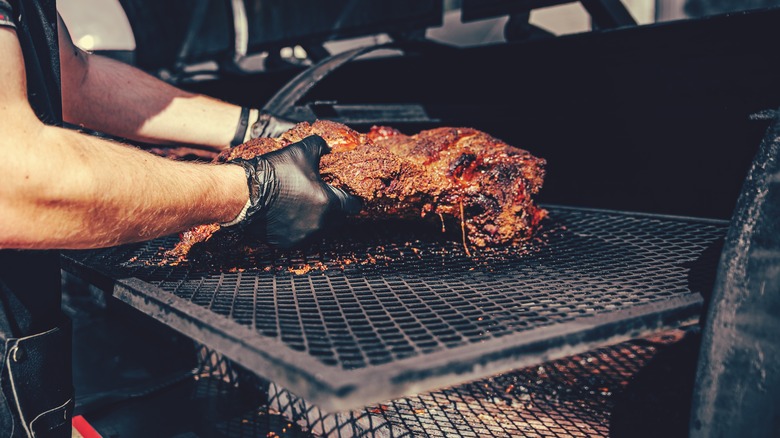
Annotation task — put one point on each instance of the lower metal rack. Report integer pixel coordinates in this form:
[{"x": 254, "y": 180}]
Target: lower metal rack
[
  {"x": 577, "y": 396},
  {"x": 388, "y": 311}
]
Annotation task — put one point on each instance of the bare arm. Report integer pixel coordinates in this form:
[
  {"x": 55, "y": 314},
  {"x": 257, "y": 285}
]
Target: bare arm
[
  {"x": 112, "y": 97},
  {"x": 62, "y": 189}
]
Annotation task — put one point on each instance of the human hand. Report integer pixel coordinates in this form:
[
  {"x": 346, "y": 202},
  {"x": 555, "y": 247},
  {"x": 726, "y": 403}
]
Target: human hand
[{"x": 288, "y": 201}]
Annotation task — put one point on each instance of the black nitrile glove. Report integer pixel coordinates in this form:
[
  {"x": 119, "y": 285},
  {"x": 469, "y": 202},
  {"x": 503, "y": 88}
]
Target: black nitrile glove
[{"x": 288, "y": 201}]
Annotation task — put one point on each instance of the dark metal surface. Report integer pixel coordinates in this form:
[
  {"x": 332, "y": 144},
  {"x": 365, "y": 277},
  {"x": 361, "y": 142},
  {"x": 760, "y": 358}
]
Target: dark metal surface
[
  {"x": 379, "y": 313},
  {"x": 738, "y": 381},
  {"x": 709, "y": 75}
]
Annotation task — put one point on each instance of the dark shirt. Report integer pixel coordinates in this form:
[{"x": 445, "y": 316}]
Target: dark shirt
[{"x": 30, "y": 280}]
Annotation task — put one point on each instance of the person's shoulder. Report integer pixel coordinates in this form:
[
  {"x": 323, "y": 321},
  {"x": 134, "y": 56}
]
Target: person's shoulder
[{"x": 6, "y": 14}]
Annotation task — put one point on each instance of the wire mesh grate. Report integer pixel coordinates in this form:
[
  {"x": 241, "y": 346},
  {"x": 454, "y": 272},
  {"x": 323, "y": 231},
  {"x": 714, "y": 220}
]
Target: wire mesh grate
[
  {"x": 564, "y": 398},
  {"x": 233, "y": 407},
  {"x": 379, "y": 296},
  {"x": 569, "y": 397}
]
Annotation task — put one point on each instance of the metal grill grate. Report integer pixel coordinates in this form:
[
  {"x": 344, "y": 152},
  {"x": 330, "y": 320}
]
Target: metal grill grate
[
  {"x": 569, "y": 397},
  {"x": 367, "y": 315}
]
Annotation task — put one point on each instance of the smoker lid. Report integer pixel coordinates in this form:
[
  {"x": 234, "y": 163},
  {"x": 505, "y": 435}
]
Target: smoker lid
[{"x": 395, "y": 311}]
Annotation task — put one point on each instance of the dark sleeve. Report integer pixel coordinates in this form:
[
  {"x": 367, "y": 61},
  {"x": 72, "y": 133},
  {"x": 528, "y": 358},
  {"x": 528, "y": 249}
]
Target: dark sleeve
[{"x": 6, "y": 14}]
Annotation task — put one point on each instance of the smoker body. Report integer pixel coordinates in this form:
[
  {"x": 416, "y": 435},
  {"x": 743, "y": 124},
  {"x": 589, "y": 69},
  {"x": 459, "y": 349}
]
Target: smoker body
[{"x": 661, "y": 121}]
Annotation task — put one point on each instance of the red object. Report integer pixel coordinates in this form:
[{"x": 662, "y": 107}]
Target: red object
[{"x": 84, "y": 428}]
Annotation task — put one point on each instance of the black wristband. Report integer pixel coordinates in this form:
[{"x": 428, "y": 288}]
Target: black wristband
[{"x": 243, "y": 124}]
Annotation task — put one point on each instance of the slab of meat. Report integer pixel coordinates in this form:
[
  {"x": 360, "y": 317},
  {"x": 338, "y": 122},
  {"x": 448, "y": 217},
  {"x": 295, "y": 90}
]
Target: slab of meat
[{"x": 466, "y": 177}]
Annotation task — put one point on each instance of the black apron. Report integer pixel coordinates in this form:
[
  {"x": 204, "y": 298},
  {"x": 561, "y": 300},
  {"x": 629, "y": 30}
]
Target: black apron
[{"x": 35, "y": 368}]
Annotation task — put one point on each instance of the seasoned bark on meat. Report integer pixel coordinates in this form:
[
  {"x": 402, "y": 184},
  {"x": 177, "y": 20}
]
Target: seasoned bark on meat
[{"x": 460, "y": 174}]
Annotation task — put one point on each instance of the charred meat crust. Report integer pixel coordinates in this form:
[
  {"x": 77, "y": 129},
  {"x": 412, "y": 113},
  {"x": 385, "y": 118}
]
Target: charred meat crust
[{"x": 456, "y": 173}]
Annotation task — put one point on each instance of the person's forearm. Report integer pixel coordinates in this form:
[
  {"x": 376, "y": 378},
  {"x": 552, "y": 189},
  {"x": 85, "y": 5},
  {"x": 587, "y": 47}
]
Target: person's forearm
[
  {"x": 62, "y": 189},
  {"x": 109, "y": 96}
]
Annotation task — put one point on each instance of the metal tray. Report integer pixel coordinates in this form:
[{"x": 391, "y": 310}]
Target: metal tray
[{"x": 388, "y": 311}]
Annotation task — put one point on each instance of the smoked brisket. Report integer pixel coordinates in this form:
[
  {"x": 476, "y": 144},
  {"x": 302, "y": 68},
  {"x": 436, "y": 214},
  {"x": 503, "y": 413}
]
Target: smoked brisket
[{"x": 465, "y": 177}]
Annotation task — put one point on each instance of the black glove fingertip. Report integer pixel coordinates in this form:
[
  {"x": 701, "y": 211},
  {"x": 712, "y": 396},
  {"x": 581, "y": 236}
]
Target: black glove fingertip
[
  {"x": 316, "y": 145},
  {"x": 352, "y": 205},
  {"x": 348, "y": 204}
]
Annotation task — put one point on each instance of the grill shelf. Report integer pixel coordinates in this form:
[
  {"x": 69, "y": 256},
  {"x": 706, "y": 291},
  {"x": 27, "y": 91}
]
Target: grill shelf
[
  {"x": 393, "y": 311},
  {"x": 571, "y": 397}
]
